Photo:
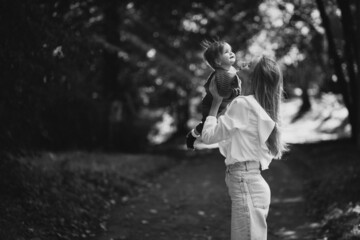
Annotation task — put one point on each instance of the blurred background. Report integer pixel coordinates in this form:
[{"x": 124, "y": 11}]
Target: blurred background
[
  {"x": 96, "y": 98},
  {"x": 126, "y": 75}
]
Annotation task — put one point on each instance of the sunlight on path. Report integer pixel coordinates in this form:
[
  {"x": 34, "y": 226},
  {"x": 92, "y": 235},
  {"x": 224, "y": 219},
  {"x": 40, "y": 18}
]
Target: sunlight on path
[{"x": 325, "y": 121}]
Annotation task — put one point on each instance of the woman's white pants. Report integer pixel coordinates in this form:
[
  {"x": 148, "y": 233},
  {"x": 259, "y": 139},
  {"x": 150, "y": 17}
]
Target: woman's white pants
[{"x": 250, "y": 201}]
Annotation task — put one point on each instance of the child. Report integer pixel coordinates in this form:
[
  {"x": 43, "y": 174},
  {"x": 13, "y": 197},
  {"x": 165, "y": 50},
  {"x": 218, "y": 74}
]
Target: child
[{"x": 219, "y": 56}]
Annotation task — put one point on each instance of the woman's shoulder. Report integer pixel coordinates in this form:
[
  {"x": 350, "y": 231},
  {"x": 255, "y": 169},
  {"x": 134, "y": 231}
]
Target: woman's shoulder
[
  {"x": 246, "y": 102},
  {"x": 239, "y": 104},
  {"x": 254, "y": 107},
  {"x": 242, "y": 100}
]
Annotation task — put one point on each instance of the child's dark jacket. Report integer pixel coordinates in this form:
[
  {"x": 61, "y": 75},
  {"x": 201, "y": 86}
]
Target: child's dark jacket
[{"x": 227, "y": 84}]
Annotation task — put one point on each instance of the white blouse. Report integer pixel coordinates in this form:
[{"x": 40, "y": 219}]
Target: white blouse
[{"x": 241, "y": 132}]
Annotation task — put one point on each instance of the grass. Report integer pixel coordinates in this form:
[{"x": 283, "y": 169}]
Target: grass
[
  {"x": 331, "y": 172},
  {"x": 332, "y": 188},
  {"x": 68, "y": 195}
]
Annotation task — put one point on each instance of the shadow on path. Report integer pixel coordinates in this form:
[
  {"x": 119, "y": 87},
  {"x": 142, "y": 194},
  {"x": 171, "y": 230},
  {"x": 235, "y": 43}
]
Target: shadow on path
[{"x": 190, "y": 202}]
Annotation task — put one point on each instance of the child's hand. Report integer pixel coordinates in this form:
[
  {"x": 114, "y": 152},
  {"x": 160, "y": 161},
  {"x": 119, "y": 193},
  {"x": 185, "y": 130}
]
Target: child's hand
[
  {"x": 214, "y": 92},
  {"x": 243, "y": 65}
]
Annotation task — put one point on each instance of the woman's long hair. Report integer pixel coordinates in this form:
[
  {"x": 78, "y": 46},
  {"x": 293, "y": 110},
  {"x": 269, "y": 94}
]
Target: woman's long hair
[{"x": 267, "y": 85}]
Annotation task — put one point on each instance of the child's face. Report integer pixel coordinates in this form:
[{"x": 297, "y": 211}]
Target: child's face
[{"x": 227, "y": 58}]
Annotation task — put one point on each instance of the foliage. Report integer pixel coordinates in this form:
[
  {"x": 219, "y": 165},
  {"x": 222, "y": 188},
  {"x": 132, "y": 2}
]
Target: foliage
[
  {"x": 47, "y": 64},
  {"x": 68, "y": 195},
  {"x": 168, "y": 47},
  {"x": 68, "y": 63},
  {"x": 335, "y": 187},
  {"x": 56, "y": 91},
  {"x": 342, "y": 223},
  {"x": 58, "y": 205},
  {"x": 331, "y": 195}
]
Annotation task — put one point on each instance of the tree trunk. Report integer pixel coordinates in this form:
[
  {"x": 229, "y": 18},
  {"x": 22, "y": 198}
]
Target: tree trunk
[
  {"x": 357, "y": 15},
  {"x": 337, "y": 65},
  {"x": 111, "y": 68},
  {"x": 350, "y": 56},
  {"x": 303, "y": 78}
]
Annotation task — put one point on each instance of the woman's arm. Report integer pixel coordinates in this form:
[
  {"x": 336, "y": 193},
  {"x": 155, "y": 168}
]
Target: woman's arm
[
  {"x": 235, "y": 117},
  {"x": 212, "y": 132},
  {"x": 217, "y": 99}
]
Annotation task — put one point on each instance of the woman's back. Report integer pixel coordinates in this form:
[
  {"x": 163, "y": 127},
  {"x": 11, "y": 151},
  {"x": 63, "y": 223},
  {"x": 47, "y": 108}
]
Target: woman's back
[{"x": 243, "y": 131}]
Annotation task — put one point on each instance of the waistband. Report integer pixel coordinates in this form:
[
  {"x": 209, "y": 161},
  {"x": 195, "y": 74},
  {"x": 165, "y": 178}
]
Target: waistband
[{"x": 244, "y": 166}]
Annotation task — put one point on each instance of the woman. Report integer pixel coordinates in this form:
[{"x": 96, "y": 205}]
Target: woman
[{"x": 249, "y": 137}]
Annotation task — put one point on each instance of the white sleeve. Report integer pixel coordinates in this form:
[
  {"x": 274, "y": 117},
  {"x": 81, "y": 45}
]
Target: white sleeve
[{"x": 235, "y": 117}]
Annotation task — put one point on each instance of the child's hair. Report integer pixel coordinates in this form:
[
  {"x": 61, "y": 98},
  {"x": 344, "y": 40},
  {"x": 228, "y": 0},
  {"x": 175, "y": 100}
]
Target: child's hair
[
  {"x": 213, "y": 49},
  {"x": 267, "y": 85}
]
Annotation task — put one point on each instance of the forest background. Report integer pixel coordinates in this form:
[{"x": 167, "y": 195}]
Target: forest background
[
  {"x": 104, "y": 75},
  {"x": 127, "y": 76}
]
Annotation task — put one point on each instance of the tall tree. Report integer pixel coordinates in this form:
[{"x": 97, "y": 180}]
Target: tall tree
[
  {"x": 112, "y": 65},
  {"x": 337, "y": 65},
  {"x": 351, "y": 59},
  {"x": 357, "y": 34}
]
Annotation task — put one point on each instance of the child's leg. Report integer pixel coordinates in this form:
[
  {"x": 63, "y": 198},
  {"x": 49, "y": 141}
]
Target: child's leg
[{"x": 199, "y": 128}]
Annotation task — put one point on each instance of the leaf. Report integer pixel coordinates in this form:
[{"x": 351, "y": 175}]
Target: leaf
[
  {"x": 201, "y": 213},
  {"x": 103, "y": 226},
  {"x": 153, "y": 211}
]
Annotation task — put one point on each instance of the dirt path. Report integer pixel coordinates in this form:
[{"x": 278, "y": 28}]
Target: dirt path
[{"x": 190, "y": 202}]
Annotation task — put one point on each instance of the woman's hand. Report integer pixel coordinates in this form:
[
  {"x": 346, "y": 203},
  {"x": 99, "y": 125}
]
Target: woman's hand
[{"x": 214, "y": 92}]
